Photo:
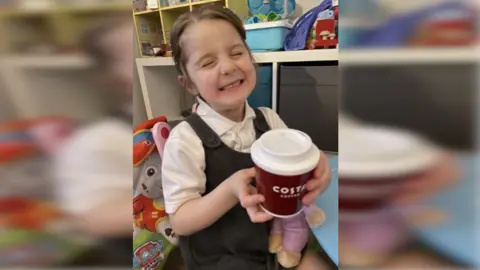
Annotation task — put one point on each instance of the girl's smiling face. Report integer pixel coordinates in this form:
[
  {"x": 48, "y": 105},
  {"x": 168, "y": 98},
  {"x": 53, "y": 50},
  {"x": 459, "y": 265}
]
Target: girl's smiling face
[{"x": 219, "y": 66}]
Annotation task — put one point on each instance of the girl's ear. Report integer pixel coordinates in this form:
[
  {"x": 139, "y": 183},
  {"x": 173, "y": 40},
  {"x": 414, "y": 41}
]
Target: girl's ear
[
  {"x": 182, "y": 81},
  {"x": 186, "y": 84}
]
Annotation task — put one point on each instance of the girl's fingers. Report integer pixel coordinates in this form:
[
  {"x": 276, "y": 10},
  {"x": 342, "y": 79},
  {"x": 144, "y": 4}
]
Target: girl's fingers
[
  {"x": 310, "y": 197},
  {"x": 251, "y": 200},
  {"x": 257, "y": 215},
  {"x": 439, "y": 178},
  {"x": 323, "y": 169},
  {"x": 316, "y": 184}
]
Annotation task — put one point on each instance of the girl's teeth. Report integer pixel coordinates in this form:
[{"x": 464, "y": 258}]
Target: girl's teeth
[{"x": 231, "y": 85}]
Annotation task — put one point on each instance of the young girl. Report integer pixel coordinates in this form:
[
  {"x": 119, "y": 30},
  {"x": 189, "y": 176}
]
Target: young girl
[{"x": 207, "y": 167}]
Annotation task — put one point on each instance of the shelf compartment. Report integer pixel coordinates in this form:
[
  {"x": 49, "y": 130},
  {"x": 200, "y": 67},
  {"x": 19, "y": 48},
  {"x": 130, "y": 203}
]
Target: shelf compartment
[
  {"x": 168, "y": 19},
  {"x": 149, "y": 30},
  {"x": 202, "y": 2},
  {"x": 146, "y": 12},
  {"x": 199, "y": 4},
  {"x": 183, "y": 4},
  {"x": 170, "y": 13}
]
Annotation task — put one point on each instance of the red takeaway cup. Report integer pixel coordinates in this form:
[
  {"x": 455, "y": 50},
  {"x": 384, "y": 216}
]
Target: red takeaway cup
[
  {"x": 284, "y": 160},
  {"x": 373, "y": 161}
]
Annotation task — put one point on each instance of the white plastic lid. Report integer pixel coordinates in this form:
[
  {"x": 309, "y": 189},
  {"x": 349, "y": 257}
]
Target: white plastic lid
[
  {"x": 285, "y": 152},
  {"x": 261, "y": 25},
  {"x": 370, "y": 151}
]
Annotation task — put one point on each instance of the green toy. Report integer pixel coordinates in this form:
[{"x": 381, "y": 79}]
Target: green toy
[
  {"x": 272, "y": 16},
  {"x": 262, "y": 17},
  {"x": 149, "y": 250}
]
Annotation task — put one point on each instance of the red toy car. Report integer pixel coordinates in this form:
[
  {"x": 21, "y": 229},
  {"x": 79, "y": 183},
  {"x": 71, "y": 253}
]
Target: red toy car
[{"x": 325, "y": 33}]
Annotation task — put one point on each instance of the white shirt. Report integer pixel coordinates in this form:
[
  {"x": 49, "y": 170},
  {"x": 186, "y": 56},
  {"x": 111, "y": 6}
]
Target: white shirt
[
  {"x": 183, "y": 162},
  {"x": 94, "y": 166}
]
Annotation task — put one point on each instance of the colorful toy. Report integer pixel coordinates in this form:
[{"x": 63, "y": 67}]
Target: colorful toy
[
  {"x": 153, "y": 235},
  {"x": 24, "y": 213},
  {"x": 274, "y": 10},
  {"x": 325, "y": 34},
  {"x": 272, "y": 16},
  {"x": 253, "y": 19},
  {"x": 150, "y": 250},
  {"x": 447, "y": 28},
  {"x": 27, "y": 237},
  {"x": 257, "y": 7},
  {"x": 298, "y": 36},
  {"x": 262, "y": 17},
  {"x": 22, "y": 139},
  {"x": 448, "y": 23},
  {"x": 49, "y": 133},
  {"x": 15, "y": 143},
  {"x": 289, "y": 236}
]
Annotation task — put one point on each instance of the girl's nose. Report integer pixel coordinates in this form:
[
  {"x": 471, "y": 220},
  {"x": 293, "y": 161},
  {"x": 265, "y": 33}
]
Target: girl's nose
[{"x": 227, "y": 67}]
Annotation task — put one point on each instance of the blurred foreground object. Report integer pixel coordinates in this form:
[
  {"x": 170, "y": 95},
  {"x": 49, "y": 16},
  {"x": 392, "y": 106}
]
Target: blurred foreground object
[
  {"x": 447, "y": 23},
  {"x": 376, "y": 162},
  {"x": 25, "y": 148},
  {"x": 26, "y": 210},
  {"x": 51, "y": 26},
  {"x": 402, "y": 81},
  {"x": 44, "y": 72}
]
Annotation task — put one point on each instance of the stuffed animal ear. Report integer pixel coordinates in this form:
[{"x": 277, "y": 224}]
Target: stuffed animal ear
[
  {"x": 160, "y": 132},
  {"x": 49, "y": 134}
]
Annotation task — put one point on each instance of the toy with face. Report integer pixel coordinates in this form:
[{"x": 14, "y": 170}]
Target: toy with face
[{"x": 148, "y": 203}]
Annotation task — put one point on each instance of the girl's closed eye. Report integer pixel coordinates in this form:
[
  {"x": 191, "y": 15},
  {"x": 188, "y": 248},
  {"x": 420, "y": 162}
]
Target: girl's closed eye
[
  {"x": 237, "y": 53},
  {"x": 207, "y": 63}
]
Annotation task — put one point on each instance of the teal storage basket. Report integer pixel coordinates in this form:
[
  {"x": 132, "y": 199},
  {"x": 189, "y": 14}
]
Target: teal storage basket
[
  {"x": 262, "y": 94},
  {"x": 267, "y": 36}
]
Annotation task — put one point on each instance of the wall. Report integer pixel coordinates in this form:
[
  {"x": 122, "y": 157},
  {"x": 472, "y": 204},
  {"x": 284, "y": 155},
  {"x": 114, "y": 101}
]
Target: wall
[
  {"x": 304, "y": 5},
  {"x": 7, "y": 111},
  {"x": 139, "y": 111}
]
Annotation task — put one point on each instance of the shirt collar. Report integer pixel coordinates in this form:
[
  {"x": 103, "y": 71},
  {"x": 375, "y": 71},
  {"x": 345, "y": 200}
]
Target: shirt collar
[{"x": 216, "y": 121}]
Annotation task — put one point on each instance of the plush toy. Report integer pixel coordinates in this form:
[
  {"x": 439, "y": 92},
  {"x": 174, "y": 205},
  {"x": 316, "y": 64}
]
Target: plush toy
[
  {"x": 391, "y": 230},
  {"x": 51, "y": 132},
  {"x": 154, "y": 238},
  {"x": 289, "y": 236}
]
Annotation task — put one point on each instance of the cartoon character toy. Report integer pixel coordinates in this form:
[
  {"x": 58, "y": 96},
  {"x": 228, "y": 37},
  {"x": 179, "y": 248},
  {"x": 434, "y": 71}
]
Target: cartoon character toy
[
  {"x": 149, "y": 213},
  {"x": 289, "y": 236}
]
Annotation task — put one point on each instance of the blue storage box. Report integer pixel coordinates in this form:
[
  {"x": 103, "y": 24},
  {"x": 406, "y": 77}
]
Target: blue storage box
[
  {"x": 262, "y": 94},
  {"x": 267, "y": 36}
]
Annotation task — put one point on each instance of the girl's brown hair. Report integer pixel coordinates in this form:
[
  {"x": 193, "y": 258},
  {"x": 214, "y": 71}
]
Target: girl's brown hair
[{"x": 207, "y": 12}]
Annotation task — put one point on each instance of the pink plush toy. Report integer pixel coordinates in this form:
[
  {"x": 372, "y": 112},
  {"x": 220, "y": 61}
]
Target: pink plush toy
[
  {"x": 289, "y": 236},
  {"x": 51, "y": 132}
]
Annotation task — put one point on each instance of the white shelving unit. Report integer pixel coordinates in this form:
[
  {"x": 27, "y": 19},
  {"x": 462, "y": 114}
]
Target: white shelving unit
[
  {"x": 402, "y": 56},
  {"x": 262, "y": 58},
  {"x": 163, "y": 96},
  {"x": 42, "y": 61},
  {"x": 51, "y": 85}
]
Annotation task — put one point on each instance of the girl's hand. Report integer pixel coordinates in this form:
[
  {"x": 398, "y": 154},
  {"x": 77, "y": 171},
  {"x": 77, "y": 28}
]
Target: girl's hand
[
  {"x": 247, "y": 195},
  {"x": 319, "y": 182},
  {"x": 441, "y": 176}
]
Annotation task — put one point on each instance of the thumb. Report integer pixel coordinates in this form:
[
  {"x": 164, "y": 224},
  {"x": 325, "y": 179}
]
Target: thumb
[{"x": 249, "y": 173}]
